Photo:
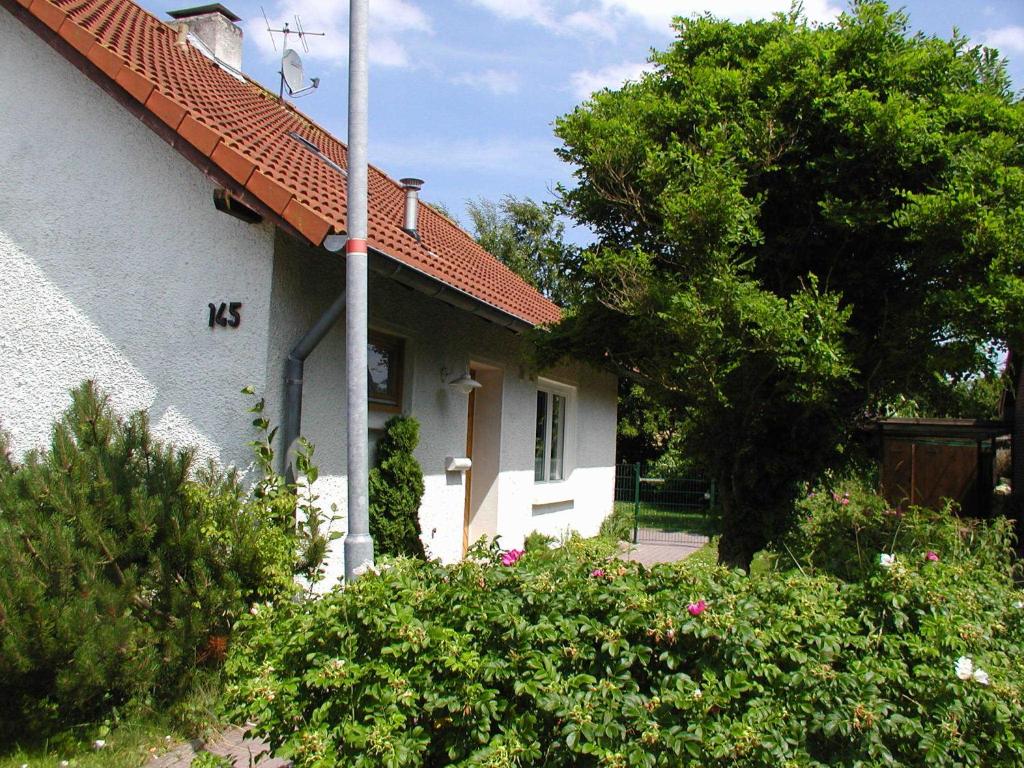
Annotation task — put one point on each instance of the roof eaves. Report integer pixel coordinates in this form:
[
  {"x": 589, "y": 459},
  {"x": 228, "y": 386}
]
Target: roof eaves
[{"x": 418, "y": 279}]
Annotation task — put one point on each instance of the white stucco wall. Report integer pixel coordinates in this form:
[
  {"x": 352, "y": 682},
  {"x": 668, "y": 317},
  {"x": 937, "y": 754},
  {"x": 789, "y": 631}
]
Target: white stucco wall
[
  {"x": 110, "y": 250},
  {"x": 437, "y": 337}
]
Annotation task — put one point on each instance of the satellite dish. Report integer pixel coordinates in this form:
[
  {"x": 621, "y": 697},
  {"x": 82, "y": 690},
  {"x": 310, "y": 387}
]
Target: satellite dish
[{"x": 291, "y": 69}]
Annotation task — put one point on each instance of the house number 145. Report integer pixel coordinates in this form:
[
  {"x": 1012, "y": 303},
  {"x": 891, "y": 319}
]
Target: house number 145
[{"x": 217, "y": 314}]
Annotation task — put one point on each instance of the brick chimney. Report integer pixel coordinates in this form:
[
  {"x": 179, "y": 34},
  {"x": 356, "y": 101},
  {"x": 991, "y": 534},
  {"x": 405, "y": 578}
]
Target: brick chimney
[{"x": 217, "y": 28}]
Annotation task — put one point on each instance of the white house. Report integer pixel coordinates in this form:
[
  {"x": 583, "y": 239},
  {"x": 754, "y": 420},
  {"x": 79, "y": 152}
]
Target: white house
[{"x": 163, "y": 223}]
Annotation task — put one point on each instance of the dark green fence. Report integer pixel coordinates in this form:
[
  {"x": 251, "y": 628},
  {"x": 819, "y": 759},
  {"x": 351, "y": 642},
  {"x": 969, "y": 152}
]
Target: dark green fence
[{"x": 667, "y": 510}]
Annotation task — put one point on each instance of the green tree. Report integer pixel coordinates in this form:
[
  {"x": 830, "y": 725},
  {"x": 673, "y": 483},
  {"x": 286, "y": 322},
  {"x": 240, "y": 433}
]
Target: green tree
[
  {"x": 796, "y": 226},
  {"x": 529, "y": 238}
]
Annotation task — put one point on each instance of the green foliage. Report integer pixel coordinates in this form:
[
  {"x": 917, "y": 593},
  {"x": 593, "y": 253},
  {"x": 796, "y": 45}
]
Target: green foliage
[
  {"x": 210, "y": 760},
  {"x": 796, "y": 225},
  {"x": 977, "y": 397},
  {"x": 123, "y": 569},
  {"x": 396, "y": 488},
  {"x": 647, "y": 429},
  {"x": 618, "y": 526},
  {"x": 845, "y": 526},
  {"x": 292, "y": 506},
  {"x": 529, "y": 238},
  {"x": 538, "y": 542},
  {"x": 568, "y": 658}
]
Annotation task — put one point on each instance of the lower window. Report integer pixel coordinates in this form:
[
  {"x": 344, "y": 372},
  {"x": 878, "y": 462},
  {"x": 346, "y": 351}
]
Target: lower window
[
  {"x": 549, "y": 449},
  {"x": 384, "y": 357}
]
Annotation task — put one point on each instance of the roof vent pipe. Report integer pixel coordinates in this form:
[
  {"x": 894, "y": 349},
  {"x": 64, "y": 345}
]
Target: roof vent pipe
[{"x": 412, "y": 189}]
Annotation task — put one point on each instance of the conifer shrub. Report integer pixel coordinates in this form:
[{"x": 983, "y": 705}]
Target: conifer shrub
[
  {"x": 535, "y": 541},
  {"x": 570, "y": 658},
  {"x": 122, "y": 568},
  {"x": 618, "y": 526},
  {"x": 396, "y": 488}
]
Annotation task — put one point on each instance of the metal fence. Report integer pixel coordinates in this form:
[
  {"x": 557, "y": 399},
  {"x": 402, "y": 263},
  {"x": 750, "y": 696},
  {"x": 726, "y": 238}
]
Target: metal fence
[{"x": 673, "y": 510}]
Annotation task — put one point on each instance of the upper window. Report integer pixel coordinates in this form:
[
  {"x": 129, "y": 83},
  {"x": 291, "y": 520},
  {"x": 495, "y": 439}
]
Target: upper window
[
  {"x": 549, "y": 448},
  {"x": 384, "y": 358}
]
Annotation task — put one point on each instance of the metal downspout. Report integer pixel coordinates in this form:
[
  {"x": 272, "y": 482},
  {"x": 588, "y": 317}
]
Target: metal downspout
[
  {"x": 291, "y": 421},
  {"x": 358, "y": 544}
]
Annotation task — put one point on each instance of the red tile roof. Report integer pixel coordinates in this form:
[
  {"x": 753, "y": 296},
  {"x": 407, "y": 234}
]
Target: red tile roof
[{"x": 243, "y": 130}]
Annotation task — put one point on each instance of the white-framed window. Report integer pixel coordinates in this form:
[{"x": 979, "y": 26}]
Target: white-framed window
[{"x": 551, "y": 437}]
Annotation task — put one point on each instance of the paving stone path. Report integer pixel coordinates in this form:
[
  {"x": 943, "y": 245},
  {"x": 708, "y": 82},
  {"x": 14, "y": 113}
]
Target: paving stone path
[
  {"x": 232, "y": 743},
  {"x": 650, "y": 554}
]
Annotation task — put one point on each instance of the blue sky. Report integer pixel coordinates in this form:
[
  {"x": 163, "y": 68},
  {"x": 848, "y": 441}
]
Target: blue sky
[{"x": 463, "y": 93}]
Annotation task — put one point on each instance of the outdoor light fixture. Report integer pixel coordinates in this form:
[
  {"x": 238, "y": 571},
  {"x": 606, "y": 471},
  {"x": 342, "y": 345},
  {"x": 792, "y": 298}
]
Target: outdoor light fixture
[{"x": 464, "y": 383}]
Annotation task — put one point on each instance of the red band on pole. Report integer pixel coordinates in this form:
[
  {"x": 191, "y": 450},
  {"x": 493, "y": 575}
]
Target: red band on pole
[{"x": 355, "y": 246}]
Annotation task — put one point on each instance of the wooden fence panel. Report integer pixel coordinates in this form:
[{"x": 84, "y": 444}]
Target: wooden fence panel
[{"x": 924, "y": 473}]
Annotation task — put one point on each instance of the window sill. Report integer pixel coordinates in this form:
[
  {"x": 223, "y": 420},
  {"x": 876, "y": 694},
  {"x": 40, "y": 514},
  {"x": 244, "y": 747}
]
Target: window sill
[{"x": 552, "y": 492}]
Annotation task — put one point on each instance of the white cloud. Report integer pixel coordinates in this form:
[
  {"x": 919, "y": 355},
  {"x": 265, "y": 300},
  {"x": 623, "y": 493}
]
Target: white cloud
[
  {"x": 390, "y": 22},
  {"x": 498, "y": 82},
  {"x": 1006, "y": 39},
  {"x": 589, "y": 23},
  {"x": 585, "y": 81},
  {"x": 603, "y": 17},
  {"x": 536, "y": 11},
  {"x": 506, "y": 155},
  {"x": 657, "y": 14}
]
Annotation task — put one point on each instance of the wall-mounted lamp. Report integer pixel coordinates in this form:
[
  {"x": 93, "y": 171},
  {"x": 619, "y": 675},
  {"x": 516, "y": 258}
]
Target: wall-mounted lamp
[{"x": 463, "y": 383}]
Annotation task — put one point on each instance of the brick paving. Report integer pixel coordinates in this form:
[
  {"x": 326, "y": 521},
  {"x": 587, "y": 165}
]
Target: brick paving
[
  {"x": 650, "y": 554},
  {"x": 231, "y": 743}
]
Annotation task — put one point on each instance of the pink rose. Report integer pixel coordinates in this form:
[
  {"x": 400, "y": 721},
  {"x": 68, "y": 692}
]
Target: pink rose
[
  {"x": 512, "y": 556},
  {"x": 597, "y": 573},
  {"x": 696, "y": 609},
  {"x": 931, "y": 556}
]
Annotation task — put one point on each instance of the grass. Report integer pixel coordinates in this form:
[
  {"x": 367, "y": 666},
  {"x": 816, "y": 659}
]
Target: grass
[
  {"x": 130, "y": 739},
  {"x": 667, "y": 519},
  {"x": 128, "y": 745}
]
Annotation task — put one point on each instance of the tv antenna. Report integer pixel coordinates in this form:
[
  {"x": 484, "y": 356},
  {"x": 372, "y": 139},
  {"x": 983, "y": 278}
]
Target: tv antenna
[{"x": 291, "y": 72}]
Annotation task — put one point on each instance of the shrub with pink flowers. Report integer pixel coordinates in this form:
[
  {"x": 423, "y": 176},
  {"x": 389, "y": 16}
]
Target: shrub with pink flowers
[
  {"x": 844, "y": 528},
  {"x": 569, "y": 657}
]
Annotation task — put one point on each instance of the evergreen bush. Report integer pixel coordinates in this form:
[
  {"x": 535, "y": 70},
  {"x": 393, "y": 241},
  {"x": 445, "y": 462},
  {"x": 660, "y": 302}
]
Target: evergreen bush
[
  {"x": 618, "y": 526},
  {"x": 122, "y": 568},
  {"x": 396, "y": 488}
]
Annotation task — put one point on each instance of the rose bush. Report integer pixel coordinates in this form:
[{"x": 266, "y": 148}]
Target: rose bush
[
  {"x": 844, "y": 528},
  {"x": 568, "y": 658}
]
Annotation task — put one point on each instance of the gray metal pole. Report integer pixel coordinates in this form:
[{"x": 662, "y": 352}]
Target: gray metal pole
[{"x": 358, "y": 544}]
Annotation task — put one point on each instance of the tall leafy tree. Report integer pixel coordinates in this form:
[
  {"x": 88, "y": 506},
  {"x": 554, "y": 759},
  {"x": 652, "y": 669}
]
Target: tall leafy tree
[
  {"x": 796, "y": 224},
  {"x": 529, "y": 238}
]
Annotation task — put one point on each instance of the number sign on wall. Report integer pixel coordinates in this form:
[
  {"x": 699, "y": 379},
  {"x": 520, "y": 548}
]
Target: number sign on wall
[{"x": 217, "y": 314}]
